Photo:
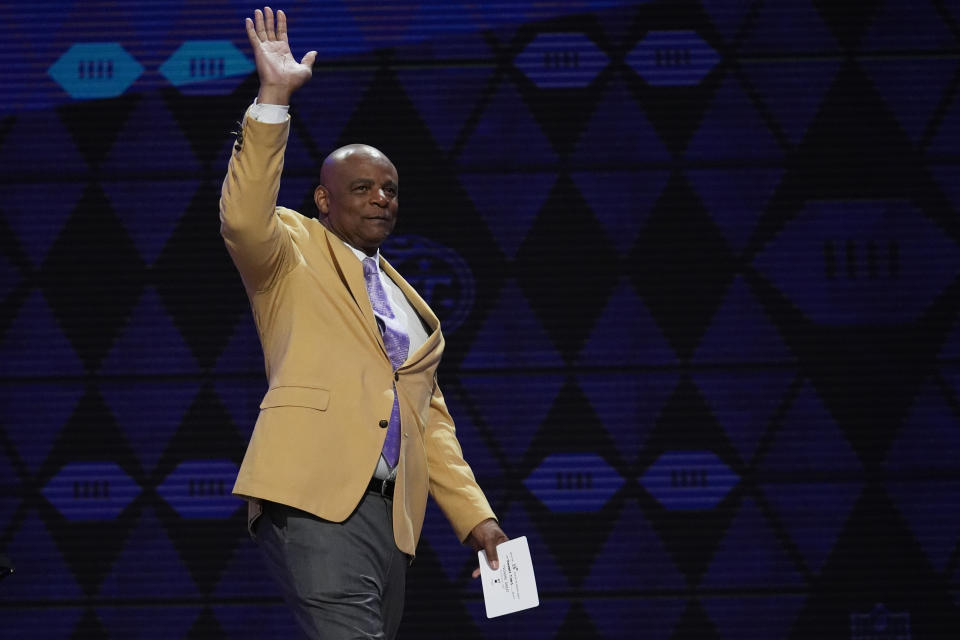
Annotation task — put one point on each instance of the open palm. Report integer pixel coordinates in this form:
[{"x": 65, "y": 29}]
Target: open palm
[{"x": 280, "y": 73}]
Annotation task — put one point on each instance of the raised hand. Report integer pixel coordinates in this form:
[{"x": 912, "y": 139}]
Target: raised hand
[{"x": 280, "y": 73}]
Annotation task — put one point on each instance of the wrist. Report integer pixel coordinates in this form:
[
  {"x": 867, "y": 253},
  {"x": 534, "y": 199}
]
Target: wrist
[{"x": 274, "y": 95}]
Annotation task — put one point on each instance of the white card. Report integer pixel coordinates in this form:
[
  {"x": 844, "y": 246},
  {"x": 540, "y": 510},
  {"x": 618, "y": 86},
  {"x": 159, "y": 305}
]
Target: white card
[{"x": 512, "y": 587}]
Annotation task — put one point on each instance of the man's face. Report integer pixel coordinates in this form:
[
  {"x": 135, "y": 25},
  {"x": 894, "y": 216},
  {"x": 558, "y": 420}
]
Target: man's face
[{"x": 357, "y": 197}]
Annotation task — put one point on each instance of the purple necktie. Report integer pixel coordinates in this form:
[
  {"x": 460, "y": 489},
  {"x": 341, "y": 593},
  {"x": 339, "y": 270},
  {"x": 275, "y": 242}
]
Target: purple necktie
[{"x": 397, "y": 343}]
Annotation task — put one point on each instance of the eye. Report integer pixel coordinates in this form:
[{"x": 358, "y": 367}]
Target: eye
[
  {"x": 361, "y": 188},
  {"x": 391, "y": 191}
]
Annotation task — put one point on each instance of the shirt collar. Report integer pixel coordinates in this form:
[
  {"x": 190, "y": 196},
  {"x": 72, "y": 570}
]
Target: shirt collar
[{"x": 361, "y": 255}]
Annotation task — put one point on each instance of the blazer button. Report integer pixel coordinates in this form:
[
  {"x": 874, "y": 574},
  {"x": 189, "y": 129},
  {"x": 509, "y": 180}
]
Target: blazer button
[{"x": 384, "y": 424}]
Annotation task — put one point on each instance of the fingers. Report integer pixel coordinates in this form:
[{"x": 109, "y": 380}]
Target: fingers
[
  {"x": 281, "y": 25},
  {"x": 261, "y": 31},
  {"x": 271, "y": 32},
  {"x": 252, "y": 34}
]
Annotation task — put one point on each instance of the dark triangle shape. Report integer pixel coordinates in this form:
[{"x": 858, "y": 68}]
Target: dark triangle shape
[
  {"x": 245, "y": 576},
  {"x": 509, "y": 203},
  {"x": 948, "y": 132},
  {"x": 741, "y": 331},
  {"x": 809, "y": 440},
  {"x": 723, "y": 136},
  {"x": 39, "y": 142},
  {"x": 628, "y": 404},
  {"x": 753, "y": 618},
  {"x": 793, "y": 92},
  {"x": 151, "y": 142},
  {"x": 728, "y": 17},
  {"x": 948, "y": 177},
  {"x": 908, "y": 24},
  {"x": 444, "y": 97},
  {"x": 646, "y": 618},
  {"x": 507, "y": 137},
  {"x": 744, "y": 403},
  {"x": 34, "y": 345},
  {"x": 96, "y": 124},
  {"x": 34, "y": 416},
  {"x": 511, "y": 337},
  {"x": 735, "y": 199},
  {"x": 149, "y": 414},
  {"x": 322, "y": 113},
  {"x": 149, "y": 566},
  {"x": 788, "y": 26},
  {"x": 930, "y": 437},
  {"x": 241, "y": 398},
  {"x": 750, "y": 555},
  {"x": 814, "y": 514},
  {"x": 243, "y": 353},
  {"x": 476, "y": 448},
  {"x": 633, "y": 558},
  {"x": 37, "y": 213},
  {"x": 206, "y": 627},
  {"x": 622, "y": 201},
  {"x": 513, "y": 407},
  {"x": 925, "y": 505},
  {"x": 296, "y": 192},
  {"x": 150, "y": 210},
  {"x": 41, "y": 573},
  {"x": 626, "y": 334},
  {"x": 912, "y": 89},
  {"x": 607, "y": 146},
  {"x": 151, "y": 343}
]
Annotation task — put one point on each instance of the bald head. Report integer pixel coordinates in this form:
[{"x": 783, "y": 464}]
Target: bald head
[
  {"x": 338, "y": 157},
  {"x": 357, "y": 195}
]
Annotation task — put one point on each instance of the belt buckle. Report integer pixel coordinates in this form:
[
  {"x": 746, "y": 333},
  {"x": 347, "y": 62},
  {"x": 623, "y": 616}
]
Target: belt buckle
[{"x": 383, "y": 488}]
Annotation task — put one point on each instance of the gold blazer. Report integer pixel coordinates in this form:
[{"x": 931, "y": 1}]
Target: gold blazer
[{"x": 318, "y": 436}]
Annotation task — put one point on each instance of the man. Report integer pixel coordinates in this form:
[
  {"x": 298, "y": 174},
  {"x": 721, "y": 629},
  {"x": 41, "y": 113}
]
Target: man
[{"x": 353, "y": 431}]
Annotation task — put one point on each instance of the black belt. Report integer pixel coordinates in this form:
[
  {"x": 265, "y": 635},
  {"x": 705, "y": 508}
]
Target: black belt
[{"x": 381, "y": 487}]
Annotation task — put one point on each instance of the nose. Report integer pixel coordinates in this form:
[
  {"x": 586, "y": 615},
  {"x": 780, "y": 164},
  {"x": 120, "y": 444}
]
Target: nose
[{"x": 380, "y": 198}]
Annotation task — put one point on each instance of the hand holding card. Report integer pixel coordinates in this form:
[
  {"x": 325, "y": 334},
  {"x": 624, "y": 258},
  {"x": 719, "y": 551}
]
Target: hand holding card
[{"x": 512, "y": 587}]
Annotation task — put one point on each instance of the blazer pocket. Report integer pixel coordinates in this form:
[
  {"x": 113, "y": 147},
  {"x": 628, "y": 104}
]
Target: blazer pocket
[{"x": 308, "y": 397}]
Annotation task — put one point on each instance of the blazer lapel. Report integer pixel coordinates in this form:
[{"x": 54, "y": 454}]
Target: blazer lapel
[
  {"x": 351, "y": 273},
  {"x": 420, "y": 306}
]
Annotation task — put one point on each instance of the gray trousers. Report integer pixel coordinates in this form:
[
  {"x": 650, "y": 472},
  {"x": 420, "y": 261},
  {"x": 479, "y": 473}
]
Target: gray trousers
[{"x": 343, "y": 580}]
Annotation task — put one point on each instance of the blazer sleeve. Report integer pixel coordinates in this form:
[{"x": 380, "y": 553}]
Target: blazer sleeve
[
  {"x": 260, "y": 245},
  {"x": 452, "y": 483}
]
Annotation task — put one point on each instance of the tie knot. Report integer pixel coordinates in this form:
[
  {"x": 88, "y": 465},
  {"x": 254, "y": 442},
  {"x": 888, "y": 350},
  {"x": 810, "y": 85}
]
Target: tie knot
[{"x": 369, "y": 267}]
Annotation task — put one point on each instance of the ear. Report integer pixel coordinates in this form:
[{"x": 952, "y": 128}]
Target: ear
[{"x": 322, "y": 199}]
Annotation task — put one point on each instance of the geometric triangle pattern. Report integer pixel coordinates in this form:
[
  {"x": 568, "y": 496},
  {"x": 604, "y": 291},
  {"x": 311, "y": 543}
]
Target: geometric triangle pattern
[
  {"x": 706, "y": 250},
  {"x": 150, "y": 344},
  {"x": 736, "y": 199},
  {"x": 792, "y": 93},
  {"x": 741, "y": 314},
  {"x": 808, "y": 439},
  {"x": 751, "y": 560},
  {"x": 615, "y": 342}
]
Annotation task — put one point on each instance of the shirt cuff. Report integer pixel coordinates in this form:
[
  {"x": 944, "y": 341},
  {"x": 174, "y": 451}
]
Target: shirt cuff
[{"x": 268, "y": 113}]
